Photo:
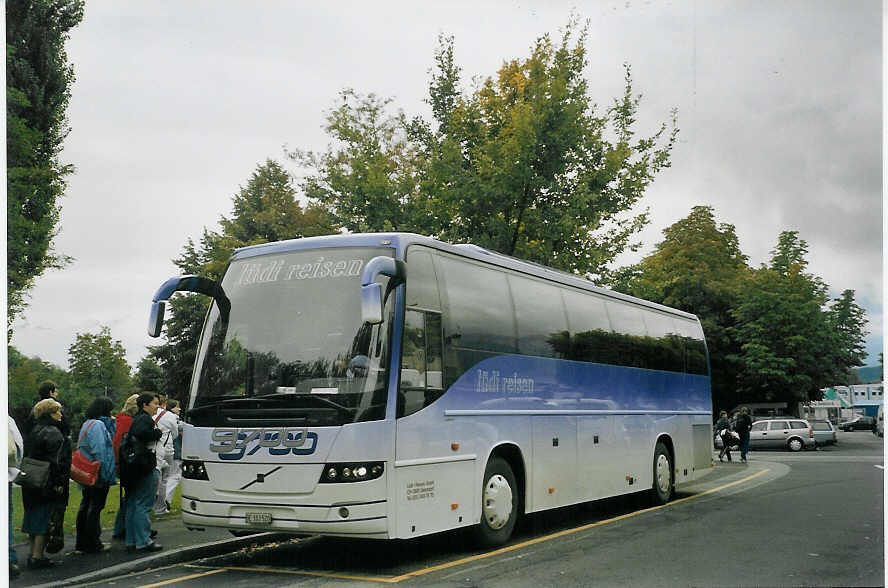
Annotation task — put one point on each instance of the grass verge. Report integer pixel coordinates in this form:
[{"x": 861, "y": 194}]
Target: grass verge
[{"x": 108, "y": 513}]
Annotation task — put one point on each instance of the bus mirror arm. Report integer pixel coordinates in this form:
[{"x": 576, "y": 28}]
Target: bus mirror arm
[
  {"x": 197, "y": 284},
  {"x": 372, "y": 299}
]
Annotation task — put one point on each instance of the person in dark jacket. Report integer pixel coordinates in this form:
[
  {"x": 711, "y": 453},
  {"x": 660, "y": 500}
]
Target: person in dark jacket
[
  {"x": 95, "y": 444},
  {"x": 140, "y": 493},
  {"x": 742, "y": 426},
  {"x": 47, "y": 389},
  {"x": 723, "y": 430},
  {"x": 45, "y": 442},
  {"x": 56, "y": 539}
]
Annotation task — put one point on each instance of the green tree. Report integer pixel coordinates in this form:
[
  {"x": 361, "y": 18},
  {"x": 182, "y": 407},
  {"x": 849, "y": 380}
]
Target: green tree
[
  {"x": 698, "y": 268},
  {"x": 149, "y": 376},
  {"x": 97, "y": 364},
  {"x": 38, "y": 80},
  {"x": 789, "y": 346},
  {"x": 524, "y": 164},
  {"x": 849, "y": 321},
  {"x": 264, "y": 210},
  {"x": 25, "y": 374}
]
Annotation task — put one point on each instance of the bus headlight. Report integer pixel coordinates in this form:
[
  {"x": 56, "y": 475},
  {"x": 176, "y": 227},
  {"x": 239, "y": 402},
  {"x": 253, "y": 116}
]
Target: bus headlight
[
  {"x": 194, "y": 470},
  {"x": 334, "y": 473}
]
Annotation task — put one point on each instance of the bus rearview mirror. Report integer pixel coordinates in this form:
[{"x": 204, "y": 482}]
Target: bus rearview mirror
[
  {"x": 371, "y": 292},
  {"x": 155, "y": 319},
  {"x": 371, "y": 303}
]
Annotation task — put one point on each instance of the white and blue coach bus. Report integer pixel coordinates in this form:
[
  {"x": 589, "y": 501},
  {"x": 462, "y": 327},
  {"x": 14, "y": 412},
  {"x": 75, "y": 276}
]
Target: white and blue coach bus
[{"x": 392, "y": 386}]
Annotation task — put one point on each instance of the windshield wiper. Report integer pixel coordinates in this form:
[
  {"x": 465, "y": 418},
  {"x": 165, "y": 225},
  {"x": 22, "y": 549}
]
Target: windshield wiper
[{"x": 346, "y": 409}]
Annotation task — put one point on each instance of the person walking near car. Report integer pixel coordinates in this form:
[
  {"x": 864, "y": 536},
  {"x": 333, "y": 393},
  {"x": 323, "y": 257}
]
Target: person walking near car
[
  {"x": 742, "y": 427},
  {"x": 122, "y": 422},
  {"x": 141, "y": 492},
  {"x": 168, "y": 423},
  {"x": 45, "y": 443},
  {"x": 723, "y": 430},
  {"x": 95, "y": 444},
  {"x": 16, "y": 451}
]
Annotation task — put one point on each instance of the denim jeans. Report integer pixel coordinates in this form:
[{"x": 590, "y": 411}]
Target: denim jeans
[
  {"x": 744, "y": 446},
  {"x": 139, "y": 500},
  {"x": 13, "y": 556},
  {"x": 89, "y": 524},
  {"x": 120, "y": 519}
]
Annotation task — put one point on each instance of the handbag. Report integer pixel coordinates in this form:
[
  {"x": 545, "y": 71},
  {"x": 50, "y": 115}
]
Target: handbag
[
  {"x": 33, "y": 473},
  {"x": 84, "y": 471}
]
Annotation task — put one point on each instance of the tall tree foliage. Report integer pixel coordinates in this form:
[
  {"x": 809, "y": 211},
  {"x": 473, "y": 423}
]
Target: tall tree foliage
[
  {"x": 525, "y": 164},
  {"x": 38, "y": 81},
  {"x": 849, "y": 321},
  {"x": 790, "y": 348},
  {"x": 97, "y": 366},
  {"x": 263, "y": 210},
  {"x": 697, "y": 268},
  {"x": 772, "y": 334}
]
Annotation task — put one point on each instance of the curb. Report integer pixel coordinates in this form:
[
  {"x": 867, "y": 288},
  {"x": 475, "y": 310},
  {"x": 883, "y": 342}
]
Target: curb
[{"x": 173, "y": 556}]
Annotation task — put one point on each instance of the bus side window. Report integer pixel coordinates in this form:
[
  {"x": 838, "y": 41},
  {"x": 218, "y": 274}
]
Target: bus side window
[{"x": 421, "y": 363}]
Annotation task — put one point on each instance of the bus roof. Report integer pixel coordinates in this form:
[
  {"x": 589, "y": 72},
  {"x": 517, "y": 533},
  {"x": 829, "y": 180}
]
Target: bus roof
[{"x": 400, "y": 242}]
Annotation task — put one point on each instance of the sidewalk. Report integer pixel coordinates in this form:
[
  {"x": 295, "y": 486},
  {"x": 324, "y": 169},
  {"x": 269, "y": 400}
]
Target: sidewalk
[{"x": 179, "y": 545}]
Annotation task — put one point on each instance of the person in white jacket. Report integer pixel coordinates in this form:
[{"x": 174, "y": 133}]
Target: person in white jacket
[
  {"x": 168, "y": 423},
  {"x": 174, "y": 476}
]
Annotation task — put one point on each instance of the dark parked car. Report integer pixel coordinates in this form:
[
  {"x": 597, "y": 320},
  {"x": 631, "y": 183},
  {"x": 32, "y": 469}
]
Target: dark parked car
[
  {"x": 824, "y": 433},
  {"x": 860, "y": 423}
]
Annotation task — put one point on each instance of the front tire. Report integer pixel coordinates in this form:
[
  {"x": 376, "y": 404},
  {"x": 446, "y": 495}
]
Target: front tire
[
  {"x": 664, "y": 478},
  {"x": 499, "y": 504}
]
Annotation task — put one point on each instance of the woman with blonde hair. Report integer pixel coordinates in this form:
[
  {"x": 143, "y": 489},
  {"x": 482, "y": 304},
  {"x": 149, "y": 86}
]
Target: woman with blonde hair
[
  {"x": 123, "y": 419},
  {"x": 45, "y": 442}
]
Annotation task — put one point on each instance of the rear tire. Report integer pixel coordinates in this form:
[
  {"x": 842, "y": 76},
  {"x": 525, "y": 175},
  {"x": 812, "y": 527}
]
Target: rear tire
[
  {"x": 499, "y": 504},
  {"x": 795, "y": 444},
  {"x": 664, "y": 478}
]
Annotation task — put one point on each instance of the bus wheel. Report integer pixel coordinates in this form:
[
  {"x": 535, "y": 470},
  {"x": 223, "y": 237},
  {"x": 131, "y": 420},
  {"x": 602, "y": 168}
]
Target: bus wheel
[
  {"x": 499, "y": 504},
  {"x": 664, "y": 480}
]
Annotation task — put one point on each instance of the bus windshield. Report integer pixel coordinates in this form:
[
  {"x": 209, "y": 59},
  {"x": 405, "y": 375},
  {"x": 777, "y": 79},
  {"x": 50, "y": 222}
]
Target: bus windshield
[{"x": 292, "y": 349}]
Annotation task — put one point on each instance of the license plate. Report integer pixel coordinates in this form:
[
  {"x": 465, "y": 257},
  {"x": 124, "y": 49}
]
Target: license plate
[{"x": 259, "y": 518}]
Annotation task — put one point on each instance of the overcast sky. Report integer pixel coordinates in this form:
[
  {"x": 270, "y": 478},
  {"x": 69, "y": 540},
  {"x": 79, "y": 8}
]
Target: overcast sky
[{"x": 176, "y": 103}]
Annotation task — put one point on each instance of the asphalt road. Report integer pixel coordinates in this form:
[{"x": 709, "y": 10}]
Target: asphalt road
[{"x": 809, "y": 519}]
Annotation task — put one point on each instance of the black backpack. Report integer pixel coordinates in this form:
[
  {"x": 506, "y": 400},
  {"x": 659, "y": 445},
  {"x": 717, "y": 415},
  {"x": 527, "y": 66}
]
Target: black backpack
[{"x": 135, "y": 461}]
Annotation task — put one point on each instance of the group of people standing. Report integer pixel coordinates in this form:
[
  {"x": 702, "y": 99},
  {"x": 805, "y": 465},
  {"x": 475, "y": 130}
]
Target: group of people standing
[
  {"x": 147, "y": 419},
  {"x": 730, "y": 430}
]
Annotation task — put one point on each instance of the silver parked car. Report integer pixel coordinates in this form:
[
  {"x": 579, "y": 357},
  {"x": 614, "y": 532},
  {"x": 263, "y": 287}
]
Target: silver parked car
[
  {"x": 824, "y": 433},
  {"x": 790, "y": 433}
]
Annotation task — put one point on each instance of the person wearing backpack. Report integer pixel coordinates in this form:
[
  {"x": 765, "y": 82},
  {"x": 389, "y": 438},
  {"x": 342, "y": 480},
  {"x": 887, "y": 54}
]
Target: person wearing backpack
[
  {"x": 141, "y": 487},
  {"x": 95, "y": 444},
  {"x": 122, "y": 423}
]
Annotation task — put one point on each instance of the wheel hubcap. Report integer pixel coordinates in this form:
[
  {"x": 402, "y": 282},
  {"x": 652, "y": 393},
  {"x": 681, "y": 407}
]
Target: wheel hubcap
[
  {"x": 663, "y": 474},
  {"x": 795, "y": 444},
  {"x": 497, "y": 502}
]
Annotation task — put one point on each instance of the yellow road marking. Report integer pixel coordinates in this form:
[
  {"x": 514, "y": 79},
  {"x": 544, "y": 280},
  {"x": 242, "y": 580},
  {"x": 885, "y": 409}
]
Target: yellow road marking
[
  {"x": 183, "y": 578},
  {"x": 382, "y": 579},
  {"x": 465, "y": 560},
  {"x": 565, "y": 532}
]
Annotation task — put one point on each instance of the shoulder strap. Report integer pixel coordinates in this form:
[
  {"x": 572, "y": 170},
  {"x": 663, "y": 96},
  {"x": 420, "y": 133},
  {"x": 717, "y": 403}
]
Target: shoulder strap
[
  {"x": 85, "y": 432},
  {"x": 157, "y": 418}
]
